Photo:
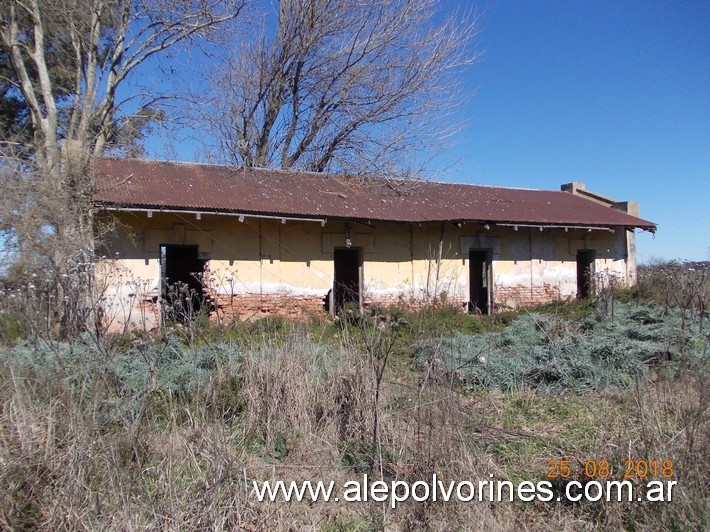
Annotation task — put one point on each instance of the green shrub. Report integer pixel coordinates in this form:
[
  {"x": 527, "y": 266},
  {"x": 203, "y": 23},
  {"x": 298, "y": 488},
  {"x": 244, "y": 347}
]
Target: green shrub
[
  {"x": 551, "y": 353},
  {"x": 123, "y": 381},
  {"x": 12, "y": 328}
]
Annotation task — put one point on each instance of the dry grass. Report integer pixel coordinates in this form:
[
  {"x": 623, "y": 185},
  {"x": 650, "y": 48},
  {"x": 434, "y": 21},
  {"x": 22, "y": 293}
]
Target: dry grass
[{"x": 302, "y": 408}]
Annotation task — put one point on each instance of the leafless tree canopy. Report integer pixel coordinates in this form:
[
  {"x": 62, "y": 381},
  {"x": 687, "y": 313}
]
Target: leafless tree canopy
[
  {"x": 338, "y": 85},
  {"x": 69, "y": 58},
  {"x": 69, "y": 62}
]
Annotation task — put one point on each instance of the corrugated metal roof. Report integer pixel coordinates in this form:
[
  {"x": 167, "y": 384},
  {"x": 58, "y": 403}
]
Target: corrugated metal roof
[{"x": 141, "y": 183}]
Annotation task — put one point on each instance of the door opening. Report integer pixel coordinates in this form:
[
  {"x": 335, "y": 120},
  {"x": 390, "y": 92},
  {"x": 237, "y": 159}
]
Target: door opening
[
  {"x": 181, "y": 281},
  {"x": 346, "y": 281},
  {"x": 479, "y": 264},
  {"x": 585, "y": 272}
]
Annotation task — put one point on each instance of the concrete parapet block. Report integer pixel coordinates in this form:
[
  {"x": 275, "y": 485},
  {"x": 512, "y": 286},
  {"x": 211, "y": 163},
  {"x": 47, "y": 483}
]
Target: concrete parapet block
[{"x": 630, "y": 207}]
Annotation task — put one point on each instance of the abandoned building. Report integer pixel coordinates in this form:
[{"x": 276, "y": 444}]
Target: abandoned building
[{"x": 260, "y": 242}]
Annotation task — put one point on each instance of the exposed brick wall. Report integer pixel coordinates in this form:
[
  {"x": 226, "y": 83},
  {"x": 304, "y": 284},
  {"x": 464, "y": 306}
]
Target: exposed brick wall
[
  {"x": 254, "y": 306},
  {"x": 245, "y": 307},
  {"x": 525, "y": 296}
]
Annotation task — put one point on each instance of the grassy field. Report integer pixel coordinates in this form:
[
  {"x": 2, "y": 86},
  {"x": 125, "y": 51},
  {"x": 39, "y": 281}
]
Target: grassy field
[{"x": 168, "y": 430}]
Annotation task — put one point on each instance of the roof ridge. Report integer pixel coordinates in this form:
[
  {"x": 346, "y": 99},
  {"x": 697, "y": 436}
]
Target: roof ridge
[
  {"x": 209, "y": 186},
  {"x": 319, "y": 174},
  {"x": 219, "y": 165}
]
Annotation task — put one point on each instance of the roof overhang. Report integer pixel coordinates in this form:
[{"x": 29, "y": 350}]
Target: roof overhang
[
  {"x": 186, "y": 188},
  {"x": 284, "y": 218}
]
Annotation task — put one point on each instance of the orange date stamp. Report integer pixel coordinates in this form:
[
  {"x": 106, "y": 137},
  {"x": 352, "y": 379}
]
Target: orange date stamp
[{"x": 631, "y": 469}]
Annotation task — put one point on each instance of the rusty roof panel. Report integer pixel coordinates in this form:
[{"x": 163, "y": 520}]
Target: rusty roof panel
[{"x": 141, "y": 183}]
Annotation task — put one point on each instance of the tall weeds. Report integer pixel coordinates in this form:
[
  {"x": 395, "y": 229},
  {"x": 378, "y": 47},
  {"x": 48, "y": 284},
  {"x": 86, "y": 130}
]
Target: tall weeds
[{"x": 168, "y": 430}]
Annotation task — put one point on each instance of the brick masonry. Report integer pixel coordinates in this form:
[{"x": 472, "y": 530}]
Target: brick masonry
[
  {"x": 511, "y": 297},
  {"x": 253, "y": 306},
  {"x": 247, "y": 307}
]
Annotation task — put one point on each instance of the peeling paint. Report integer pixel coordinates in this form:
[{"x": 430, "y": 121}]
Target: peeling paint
[{"x": 277, "y": 268}]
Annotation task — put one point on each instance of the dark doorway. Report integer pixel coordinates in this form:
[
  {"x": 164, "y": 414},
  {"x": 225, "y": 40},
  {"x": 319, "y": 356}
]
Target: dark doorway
[
  {"x": 346, "y": 281},
  {"x": 181, "y": 269},
  {"x": 479, "y": 261},
  {"x": 585, "y": 272}
]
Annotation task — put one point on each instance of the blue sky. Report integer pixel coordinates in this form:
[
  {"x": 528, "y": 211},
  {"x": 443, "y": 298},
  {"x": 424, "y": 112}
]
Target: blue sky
[{"x": 613, "y": 94}]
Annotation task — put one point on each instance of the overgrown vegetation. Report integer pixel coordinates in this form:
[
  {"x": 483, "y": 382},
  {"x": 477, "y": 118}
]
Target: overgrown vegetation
[
  {"x": 553, "y": 353},
  {"x": 168, "y": 429}
]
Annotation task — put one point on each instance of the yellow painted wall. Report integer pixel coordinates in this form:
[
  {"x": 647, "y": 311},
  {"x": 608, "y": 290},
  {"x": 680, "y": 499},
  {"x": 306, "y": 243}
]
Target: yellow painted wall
[{"x": 268, "y": 257}]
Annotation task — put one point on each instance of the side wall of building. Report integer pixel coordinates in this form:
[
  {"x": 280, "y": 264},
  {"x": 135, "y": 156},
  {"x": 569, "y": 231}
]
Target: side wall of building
[{"x": 264, "y": 267}]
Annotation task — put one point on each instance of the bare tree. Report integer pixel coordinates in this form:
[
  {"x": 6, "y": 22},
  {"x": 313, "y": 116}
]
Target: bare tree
[
  {"x": 336, "y": 85},
  {"x": 99, "y": 44},
  {"x": 69, "y": 61}
]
